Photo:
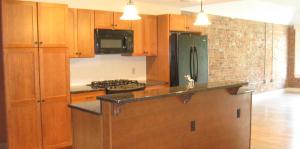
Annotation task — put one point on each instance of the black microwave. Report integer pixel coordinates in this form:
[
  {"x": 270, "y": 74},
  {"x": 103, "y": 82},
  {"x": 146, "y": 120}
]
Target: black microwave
[{"x": 113, "y": 41}]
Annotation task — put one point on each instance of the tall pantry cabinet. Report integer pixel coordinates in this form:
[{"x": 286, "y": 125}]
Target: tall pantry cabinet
[{"x": 36, "y": 73}]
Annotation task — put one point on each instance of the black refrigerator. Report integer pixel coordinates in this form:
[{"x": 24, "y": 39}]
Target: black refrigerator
[{"x": 188, "y": 56}]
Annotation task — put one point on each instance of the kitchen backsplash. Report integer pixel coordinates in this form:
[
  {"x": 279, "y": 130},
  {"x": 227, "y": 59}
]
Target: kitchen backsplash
[{"x": 106, "y": 67}]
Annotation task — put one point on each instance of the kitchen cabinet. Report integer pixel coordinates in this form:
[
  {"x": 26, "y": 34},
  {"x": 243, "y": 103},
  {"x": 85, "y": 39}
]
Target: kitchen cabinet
[
  {"x": 190, "y": 23},
  {"x": 177, "y": 22},
  {"x": 36, "y": 75},
  {"x": 22, "y": 29},
  {"x": 104, "y": 19},
  {"x": 183, "y": 23},
  {"x": 19, "y": 24},
  {"x": 121, "y": 24},
  {"x": 145, "y": 36},
  {"x": 85, "y": 33},
  {"x": 52, "y": 25},
  {"x": 22, "y": 98},
  {"x": 54, "y": 77},
  {"x": 111, "y": 20},
  {"x": 81, "y": 33},
  {"x": 72, "y": 33},
  {"x": 87, "y": 96},
  {"x": 150, "y": 35}
]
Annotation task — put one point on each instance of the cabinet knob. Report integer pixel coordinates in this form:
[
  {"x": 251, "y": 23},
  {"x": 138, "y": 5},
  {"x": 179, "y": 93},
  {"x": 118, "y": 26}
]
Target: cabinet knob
[
  {"x": 36, "y": 42},
  {"x": 41, "y": 42}
]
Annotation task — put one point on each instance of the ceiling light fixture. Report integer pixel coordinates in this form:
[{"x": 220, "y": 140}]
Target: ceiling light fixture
[
  {"x": 202, "y": 18},
  {"x": 130, "y": 12}
]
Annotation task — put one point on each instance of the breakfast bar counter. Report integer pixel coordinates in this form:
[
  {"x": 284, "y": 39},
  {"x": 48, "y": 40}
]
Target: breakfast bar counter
[{"x": 213, "y": 115}]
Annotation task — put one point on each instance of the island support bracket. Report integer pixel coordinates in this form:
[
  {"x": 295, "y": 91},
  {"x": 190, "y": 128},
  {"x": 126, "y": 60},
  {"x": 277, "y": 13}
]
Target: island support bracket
[{"x": 186, "y": 97}]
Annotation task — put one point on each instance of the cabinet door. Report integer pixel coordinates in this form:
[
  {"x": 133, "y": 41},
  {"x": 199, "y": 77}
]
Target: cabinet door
[
  {"x": 190, "y": 24},
  {"x": 177, "y": 22},
  {"x": 104, "y": 19},
  {"x": 52, "y": 25},
  {"x": 72, "y": 32},
  {"x": 54, "y": 74},
  {"x": 150, "y": 35},
  {"x": 22, "y": 98},
  {"x": 85, "y": 33},
  {"x": 19, "y": 24},
  {"x": 138, "y": 48},
  {"x": 121, "y": 24}
]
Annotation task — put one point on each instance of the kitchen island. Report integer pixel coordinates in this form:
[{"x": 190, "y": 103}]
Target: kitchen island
[{"x": 208, "y": 116}]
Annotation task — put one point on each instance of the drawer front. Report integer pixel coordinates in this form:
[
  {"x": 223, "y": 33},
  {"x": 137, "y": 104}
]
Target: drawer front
[{"x": 83, "y": 97}]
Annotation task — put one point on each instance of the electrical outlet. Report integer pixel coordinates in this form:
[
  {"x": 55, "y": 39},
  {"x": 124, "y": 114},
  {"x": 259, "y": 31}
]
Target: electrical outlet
[
  {"x": 133, "y": 71},
  {"x": 193, "y": 126}
]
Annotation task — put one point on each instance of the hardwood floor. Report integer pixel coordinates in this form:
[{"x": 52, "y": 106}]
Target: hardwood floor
[{"x": 276, "y": 122}]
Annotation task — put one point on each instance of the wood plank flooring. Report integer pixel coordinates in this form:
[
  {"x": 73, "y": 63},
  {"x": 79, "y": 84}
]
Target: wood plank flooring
[{"x": 276, "y": 122}]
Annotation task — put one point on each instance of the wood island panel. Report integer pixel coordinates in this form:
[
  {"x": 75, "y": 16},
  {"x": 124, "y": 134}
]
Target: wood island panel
[{"x": 209, "y": 120}]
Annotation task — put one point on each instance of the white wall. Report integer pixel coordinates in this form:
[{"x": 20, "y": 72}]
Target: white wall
[{"x": 105, "y": 67}]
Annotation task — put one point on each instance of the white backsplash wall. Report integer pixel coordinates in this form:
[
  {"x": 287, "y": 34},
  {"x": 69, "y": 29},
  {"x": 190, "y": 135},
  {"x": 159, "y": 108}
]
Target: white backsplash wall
[{"x": 106, "y": 67}]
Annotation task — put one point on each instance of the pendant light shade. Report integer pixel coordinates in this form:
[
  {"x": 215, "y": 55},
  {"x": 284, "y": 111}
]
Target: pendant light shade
[
  {"x": 202, "y": 18},
  {"x": 130, "y": 12}
]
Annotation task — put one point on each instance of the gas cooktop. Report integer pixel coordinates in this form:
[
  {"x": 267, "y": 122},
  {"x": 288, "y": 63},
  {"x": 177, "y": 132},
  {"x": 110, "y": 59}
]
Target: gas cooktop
[{"x": 118, "y": 86}]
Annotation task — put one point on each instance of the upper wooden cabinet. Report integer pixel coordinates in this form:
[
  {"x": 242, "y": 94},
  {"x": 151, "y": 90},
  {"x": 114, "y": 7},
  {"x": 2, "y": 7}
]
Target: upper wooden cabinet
[
  {"x": 121, "y": 24},
  {"x": 52, "y": 25},
  {"x": 111, "y": 20},
  {"x": 72, "y": 32},
  {"x": 177, "y": 22},
  {"x": 190, "y": 23},
  {"x": 81, "y": 33},
  {"x": 145, "y": 36},
  {"x": 22, "y": 29},
  {"x": 20, "y": 24},
  {"x": 104, "y": 19},
  {"x": 183, "y": 23},
  {"x": 150, "y": 35}
]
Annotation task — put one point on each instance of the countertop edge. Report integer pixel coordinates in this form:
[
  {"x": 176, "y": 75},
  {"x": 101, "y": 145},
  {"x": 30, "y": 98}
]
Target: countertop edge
[{"x": 179, "y": 93}]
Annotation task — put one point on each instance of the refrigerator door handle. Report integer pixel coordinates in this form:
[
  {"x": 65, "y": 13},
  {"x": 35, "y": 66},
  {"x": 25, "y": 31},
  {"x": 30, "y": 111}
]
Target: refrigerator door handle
[
  {"x": 197, "y": 64},
  {"x": 191, "y": 62}
]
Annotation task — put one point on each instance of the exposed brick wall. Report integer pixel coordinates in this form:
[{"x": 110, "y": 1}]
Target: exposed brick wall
[
  {"x": 292, "y": 81},
  {"x": 242, "y": 50}
]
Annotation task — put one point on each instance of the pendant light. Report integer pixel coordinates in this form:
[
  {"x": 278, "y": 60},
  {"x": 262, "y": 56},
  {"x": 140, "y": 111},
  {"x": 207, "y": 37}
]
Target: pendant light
[
  {"x": 202, "y": 18},
  {"x": 130, "y": 12}
]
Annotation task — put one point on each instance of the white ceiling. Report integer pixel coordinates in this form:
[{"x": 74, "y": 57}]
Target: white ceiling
[{"x": 273, "y": 11}]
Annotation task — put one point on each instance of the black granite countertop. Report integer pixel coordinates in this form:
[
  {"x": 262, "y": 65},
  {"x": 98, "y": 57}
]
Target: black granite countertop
[
  {"x": 93, "y": 107},
  {"x": 172, "y": 91},
  {"x": 84, "y": 89}
]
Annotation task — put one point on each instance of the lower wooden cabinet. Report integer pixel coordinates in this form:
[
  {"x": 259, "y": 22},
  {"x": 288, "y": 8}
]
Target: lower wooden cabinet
[
  {"x": 88, "y": 96},
  {"x": 56, "y": 121},
  {"x": 22, "y": 98},
  {"x": 36, "y": 94}
]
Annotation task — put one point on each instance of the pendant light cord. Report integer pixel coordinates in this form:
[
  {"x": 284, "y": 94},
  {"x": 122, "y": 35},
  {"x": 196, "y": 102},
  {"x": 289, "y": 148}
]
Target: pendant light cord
[{"x": 201, "y": 5}]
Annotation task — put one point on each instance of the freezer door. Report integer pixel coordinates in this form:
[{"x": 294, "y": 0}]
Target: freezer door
[{"x": 185, "y": 42}]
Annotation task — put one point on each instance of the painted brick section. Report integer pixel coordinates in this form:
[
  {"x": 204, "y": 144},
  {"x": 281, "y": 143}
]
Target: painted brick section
[
  {"x": 292, "y": 81},
  {"x": 249, "y": 51}
]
